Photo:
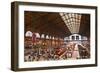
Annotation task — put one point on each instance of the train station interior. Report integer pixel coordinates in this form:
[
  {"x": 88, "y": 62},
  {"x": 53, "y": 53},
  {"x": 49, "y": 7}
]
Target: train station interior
[{"x": 56, "y": 36}]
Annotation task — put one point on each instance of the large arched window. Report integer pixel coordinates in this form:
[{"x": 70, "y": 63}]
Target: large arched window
[
  {"x": 47, "y": 37},
  {"x": 75, "y": 37},
  {"x": 42, "y": 36},
  {"x": 28, "y": 34},
  {"x": 37, "y": 35}
]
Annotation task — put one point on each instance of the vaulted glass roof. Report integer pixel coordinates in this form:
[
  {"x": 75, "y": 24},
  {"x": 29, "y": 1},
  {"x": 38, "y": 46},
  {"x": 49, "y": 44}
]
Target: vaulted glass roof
[{"x": 72, "y": 21}]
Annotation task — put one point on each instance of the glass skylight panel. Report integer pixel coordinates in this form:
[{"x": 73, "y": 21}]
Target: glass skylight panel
[
  {"x": 61, "y": 14},
  {"x": 71, "y": 19},
  {"x": 79, "y": 17},
  {"x": 65, "y": 22},
  {"x": 64, "y": 18},
  {"x": 69, "y": 15}
]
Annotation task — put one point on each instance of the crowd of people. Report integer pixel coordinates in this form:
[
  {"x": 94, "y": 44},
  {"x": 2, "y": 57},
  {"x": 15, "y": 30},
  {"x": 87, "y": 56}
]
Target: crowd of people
[{"x": 70, "y": 50}]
